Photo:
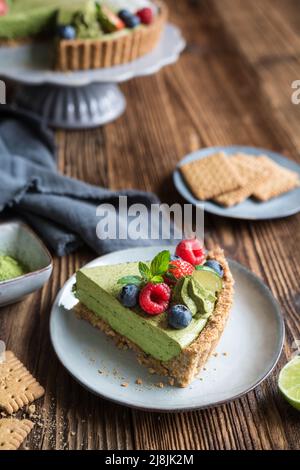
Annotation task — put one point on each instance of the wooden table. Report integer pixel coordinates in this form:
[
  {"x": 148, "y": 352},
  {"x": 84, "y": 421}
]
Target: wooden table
[{"x": 232, "y": 85}]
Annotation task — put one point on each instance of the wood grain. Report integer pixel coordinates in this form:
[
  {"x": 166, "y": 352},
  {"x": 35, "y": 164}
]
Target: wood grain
[{"x": 232, "y": 85}]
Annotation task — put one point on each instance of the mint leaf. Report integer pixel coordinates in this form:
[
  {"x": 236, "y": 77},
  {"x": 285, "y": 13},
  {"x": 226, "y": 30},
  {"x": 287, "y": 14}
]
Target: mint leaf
[
  {"x": 160, "y": 263},
  {"x": 157, "y": 279},
  {"x": 145, "y": 270},
  {"x": 136, "y": 280}
]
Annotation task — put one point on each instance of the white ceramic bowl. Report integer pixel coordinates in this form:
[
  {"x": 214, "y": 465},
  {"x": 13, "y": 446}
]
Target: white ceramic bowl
[{"x": 20, "y": 242}]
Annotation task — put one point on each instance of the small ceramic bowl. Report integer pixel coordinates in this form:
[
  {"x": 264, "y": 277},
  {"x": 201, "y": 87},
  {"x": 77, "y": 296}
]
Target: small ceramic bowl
[{"x": 20, "y": 242}]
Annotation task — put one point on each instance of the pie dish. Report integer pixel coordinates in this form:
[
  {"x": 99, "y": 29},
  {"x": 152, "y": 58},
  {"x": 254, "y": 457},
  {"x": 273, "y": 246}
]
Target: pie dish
[
  {"x": 87, "y": 34},
  {"x": 282, "y": 206},
  {"x": 177, "y": 353}
]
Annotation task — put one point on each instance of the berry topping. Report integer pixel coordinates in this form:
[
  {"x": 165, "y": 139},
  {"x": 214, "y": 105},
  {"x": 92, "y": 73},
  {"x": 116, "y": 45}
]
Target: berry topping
[
  {"x": 211, "y": 263},
  {"x": 66, "y": 32},
  {"x": 191, "y": 251},
  {"x": 3, "y": 7},
  {"x": 129, "y": 295},
  {"x": 177, "y": 269},
  {"x": 124, "y": 14},
  {"x": 179, "y": 317},
  {"x": 130, "y": 20},
  {"x": 154, "y": 298},
  {"x": 145, "y": 15}
]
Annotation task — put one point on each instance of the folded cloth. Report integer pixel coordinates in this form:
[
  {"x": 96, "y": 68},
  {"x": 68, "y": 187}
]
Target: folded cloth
[{"x": 61, "y": 209}]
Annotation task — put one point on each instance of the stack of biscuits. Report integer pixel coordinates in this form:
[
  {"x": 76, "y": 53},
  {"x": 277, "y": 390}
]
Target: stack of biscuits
[{"x": 230, "y": 179}]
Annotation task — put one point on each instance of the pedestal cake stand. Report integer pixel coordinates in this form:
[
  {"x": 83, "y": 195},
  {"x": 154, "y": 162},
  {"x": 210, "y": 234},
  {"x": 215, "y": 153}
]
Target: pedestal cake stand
[{"x": 81, "y": 99}]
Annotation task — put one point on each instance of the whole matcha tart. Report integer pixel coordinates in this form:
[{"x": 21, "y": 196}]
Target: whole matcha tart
[{"x": 177, "y": 354}]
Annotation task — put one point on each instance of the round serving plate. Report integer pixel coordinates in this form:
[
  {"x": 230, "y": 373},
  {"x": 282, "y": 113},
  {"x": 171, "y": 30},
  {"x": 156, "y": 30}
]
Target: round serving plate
[
  {"x": 282, "y": 206},
  {"x": 247, "y": 352},
  {"x": 79, "y": 99}
]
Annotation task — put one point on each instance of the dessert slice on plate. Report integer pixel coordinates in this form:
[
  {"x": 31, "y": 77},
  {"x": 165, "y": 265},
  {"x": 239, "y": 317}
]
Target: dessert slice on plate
[
  {"x": 170, "y": 311},
  {"x": 108, "y": 33}
]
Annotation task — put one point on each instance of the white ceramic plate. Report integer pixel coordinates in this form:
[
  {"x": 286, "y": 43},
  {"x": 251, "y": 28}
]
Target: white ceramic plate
[
  {"x": 252, "y": 342},
  {"x": 281, "y": 206}
]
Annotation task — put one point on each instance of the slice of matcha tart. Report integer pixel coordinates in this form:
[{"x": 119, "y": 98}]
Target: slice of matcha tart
[{"x": 170, "y": 311}]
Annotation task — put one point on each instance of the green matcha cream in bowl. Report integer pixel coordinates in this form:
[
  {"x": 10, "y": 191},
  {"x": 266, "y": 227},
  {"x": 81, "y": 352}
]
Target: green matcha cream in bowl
[{"x": 11, "y": 268}]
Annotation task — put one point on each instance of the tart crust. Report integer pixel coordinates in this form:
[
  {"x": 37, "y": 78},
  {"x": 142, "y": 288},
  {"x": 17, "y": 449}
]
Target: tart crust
[
  {"x": 183, "y": 368},
  {"x": 83, "y": 54}
]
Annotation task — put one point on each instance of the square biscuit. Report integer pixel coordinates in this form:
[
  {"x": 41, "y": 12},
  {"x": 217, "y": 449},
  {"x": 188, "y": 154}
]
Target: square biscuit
[
  {"x": 279, "y": 181},
  {"x": 252, "y": 175},
  {"x": 211, "y": 176},
  {"x": 13, "y": 432},
  {"x": 17, "y": 386}
]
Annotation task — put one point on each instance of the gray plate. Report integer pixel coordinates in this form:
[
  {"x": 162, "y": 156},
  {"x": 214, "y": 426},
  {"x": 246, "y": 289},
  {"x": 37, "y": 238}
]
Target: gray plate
[
  {"x": 253, "y": 340},
  {"x": 281, "y": 206}
]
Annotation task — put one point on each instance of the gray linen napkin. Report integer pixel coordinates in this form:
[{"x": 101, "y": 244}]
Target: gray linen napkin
[{"x": 61, "y": 209}]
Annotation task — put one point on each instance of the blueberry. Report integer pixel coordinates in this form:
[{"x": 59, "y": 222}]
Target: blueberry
[
  {"x": 133, "y": 22},
  {"x": 66, "y": 32},
  {"x": 174, "y": 258},
  {"x": 211, "y": 263},
  {"x": 130, "y": 20},
  {"x": 179, "y": 317},
  {"x": 124, "y": 14},
  {"x": 129, "y": 295}
]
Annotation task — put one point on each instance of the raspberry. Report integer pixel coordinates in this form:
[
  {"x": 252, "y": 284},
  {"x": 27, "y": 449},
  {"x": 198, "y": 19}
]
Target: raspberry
[
  {"x": 191, "y": 251},
  {"x": 154, "y": 298},
  {"x": 145, "y": 15},
  {"x": 179, "y": 268},
  {"x": 3, "y": 7}
]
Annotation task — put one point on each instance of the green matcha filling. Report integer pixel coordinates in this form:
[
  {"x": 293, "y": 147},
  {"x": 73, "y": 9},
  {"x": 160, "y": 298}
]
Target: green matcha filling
[
  {"x": 27, "y": 18},
  {"x": 189, "y": 292},
  {"x": 11, "y": 268},
  {"x": 98, "y": 288}
]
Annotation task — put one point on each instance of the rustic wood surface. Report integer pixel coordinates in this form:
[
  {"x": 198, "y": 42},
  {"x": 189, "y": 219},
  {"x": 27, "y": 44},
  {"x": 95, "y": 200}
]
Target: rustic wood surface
[{"x": 232, "y": 85}]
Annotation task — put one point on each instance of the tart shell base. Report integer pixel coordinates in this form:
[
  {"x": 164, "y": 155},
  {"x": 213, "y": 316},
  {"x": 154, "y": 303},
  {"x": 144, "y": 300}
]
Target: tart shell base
[
  {"x": 87, "y": 54},
  {"x": 182, "y": 369}
]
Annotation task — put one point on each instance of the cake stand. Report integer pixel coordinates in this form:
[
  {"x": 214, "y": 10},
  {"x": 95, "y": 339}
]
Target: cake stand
[{"x": 84, "y": 99}]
